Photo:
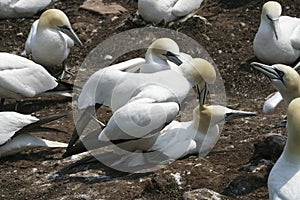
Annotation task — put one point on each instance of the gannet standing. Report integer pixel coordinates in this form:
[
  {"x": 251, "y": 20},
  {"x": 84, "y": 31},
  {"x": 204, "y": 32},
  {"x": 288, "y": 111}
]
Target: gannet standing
[
  {"x": 22, "y": 8},
  {"x": 156, "y": 11},
  {"x": 277, "y": 39},
  {"x": 14, "y": 131},
  {"x": 115, "y": 88},
  {"x": 51, "y": 38},
  {"x": 283, "y": 78},
  {"x": 284, "y": 178}
]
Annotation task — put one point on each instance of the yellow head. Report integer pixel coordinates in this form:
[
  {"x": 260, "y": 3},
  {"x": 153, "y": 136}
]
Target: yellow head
[
  {"x": 293, "y": 116},
  {"x": 271, "y": 10},
  {"x": 198, "y": 71}
]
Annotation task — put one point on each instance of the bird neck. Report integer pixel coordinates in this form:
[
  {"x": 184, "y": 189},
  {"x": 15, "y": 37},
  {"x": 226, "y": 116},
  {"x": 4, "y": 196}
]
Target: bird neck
[
  {"x": 202, "y": 122},
  {"x": 292, "y": 147}
]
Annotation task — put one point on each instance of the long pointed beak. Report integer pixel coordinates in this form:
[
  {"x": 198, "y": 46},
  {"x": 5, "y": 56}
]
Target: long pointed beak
[
  {"x": 202, "y": 93},
  {"x": 70, "y": 32},
  {"x": 275, "y": 25},
  {"x": 267, "y": 70},
  {"x": 235, "y": 114},
  {"x": 173, "y": 58}
]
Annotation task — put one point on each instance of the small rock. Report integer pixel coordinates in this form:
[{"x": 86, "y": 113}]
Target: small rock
[{"x": 202, "y": 193}]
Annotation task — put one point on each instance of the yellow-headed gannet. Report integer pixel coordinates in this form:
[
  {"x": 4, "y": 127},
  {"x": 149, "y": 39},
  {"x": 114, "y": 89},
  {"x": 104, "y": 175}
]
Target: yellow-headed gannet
[
  {"x": 277, "y": 39},
  {"x": 156, "y": 11},
  {"x": 22, "y": 8},
  {"x": 283, "y": 78},
  {"x": 51, "y": 38},
  {"x": 115, "y": 88},
  {"x": 199, "y": 135},
  {"x": 15, "y": 129},
  {"x": 284, "y": 178}
]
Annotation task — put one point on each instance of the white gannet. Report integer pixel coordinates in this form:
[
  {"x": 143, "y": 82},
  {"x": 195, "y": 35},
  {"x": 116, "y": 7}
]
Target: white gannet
[
  {"x": 22, "y": 8},
  {"x": 199, "y": 135},
  {"x": 15, "y": 128},
  {"x": 156, "y": 11},
  {"x": 115, "y": 88},
  {"x": 277, "y": 39},
  {"x": 162, "y": 54},
  {"x": 283, "y": 78},
  {"x": 284, "y": 178},
  {"x": 50, "y": 38},
  {"x": 20, "y": 78}
]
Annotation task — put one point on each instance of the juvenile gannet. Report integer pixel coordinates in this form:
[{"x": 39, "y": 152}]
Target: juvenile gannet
[
  {"x": 156, "y": 11},
  {"x": 115, "y": 88},
  {"x": 20, "y": 78},
  {"x": 22, "y": 8},
  {"x": 284, "y": 178},
  {"x": 283, "y": 78},
  {"x": 277, "y": 39},
  {"x": 15, "y": 128},
  {"x": 50, "y": 38}
]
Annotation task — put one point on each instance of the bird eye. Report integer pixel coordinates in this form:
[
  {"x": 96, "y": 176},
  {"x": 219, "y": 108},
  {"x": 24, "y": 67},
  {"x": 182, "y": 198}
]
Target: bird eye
[{"x": 280, "y": 73}]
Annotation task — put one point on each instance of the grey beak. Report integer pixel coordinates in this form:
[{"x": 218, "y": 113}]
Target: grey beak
[
  {"x": 173, "y": 58},
  {"x": 235, "y": 114},
  {"x": 267, "y": 70},
  {"x": 69, "y": 32},
  {"x": 275, "y": 25}
]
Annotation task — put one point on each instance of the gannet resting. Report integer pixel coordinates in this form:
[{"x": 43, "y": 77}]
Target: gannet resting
[
  {"x": 115, "y": 88},
  {"x": 156, "y": 11},
  {"x": 284, "y": 178},
  {"x": 51, "y": 38},
  {"x": 283, "y": 78},
  {"x": 15, "y": 127},
  {"x": 20, "y": 78},
  {"x": 22, "y": 8},
  {"x": 277, "y": 39}
]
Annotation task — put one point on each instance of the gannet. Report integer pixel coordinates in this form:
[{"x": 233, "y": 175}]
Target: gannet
[
  {"x": 50, "y": 38},
  {"x": 20, "y": 78},
  {"x": 277, "y": 39},
  {"x": 284, "y": 178},
  {"x": 199, "y": 135},
  {"x": 22, "y": 8},
  {"x": 15, "y": 128},
  {"x": 156, "y": 11},
  {"x": 115, "y": 88},
  {"x": 162, "y": 54},
  {"x": 283, "y": 78}
]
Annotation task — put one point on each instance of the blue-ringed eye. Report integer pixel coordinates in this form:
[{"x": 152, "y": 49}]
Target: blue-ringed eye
[{"x": 280, "y": 73}]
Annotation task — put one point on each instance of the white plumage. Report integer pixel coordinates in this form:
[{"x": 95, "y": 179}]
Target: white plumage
[
  {"x": 22, "y": 8},
  {"x": 277, "y": 40},
  {"x": 20, "y": 77},
  {"x": 168, "y": 10}
]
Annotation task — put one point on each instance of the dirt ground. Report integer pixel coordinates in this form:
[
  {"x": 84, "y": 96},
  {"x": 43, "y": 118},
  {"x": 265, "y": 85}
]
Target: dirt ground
[{"x": 42, "y": 174}]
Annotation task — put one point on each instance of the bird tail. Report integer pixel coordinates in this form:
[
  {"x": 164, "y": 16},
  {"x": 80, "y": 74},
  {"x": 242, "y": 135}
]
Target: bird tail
[
  {"x": 63, "y": 89},
  {"x": 37, "y": 126}
]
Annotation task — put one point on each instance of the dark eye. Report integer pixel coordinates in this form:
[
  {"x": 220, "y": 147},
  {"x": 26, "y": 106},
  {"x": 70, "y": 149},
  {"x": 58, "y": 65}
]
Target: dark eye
[{"x": 280, "y": 73}]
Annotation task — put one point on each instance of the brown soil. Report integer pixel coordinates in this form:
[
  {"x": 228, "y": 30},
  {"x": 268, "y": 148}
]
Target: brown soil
[{"x": 229, "y": 42}]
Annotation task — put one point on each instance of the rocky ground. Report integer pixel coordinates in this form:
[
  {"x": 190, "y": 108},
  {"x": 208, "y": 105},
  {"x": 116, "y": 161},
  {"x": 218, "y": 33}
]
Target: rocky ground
[{"x": 42, "y": 174}]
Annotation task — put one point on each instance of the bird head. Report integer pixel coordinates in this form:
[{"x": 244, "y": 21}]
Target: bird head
[{"x": 271, "y": 12}]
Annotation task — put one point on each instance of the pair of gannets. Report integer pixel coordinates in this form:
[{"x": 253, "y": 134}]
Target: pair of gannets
[
  {"x": 157, "y": 58},
  {"x": 50, "y": 38},
  {"x": 22, "y": 8},
  {"x": 156, "y": 11},
  {"x": 136, "y": 98},
  {"x": 15, "y": 129},
  {"x": 277, "y": 39}
]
